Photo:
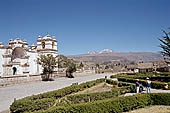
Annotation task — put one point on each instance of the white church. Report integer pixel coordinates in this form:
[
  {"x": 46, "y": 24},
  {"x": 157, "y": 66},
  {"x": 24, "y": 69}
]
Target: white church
[{"x": 18, "y": 58}]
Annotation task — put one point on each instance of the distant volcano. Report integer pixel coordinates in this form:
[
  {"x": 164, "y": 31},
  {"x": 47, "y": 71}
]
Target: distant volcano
[
  {"x": 110, "y": 55},
  {"x": 102, "y": 51}
]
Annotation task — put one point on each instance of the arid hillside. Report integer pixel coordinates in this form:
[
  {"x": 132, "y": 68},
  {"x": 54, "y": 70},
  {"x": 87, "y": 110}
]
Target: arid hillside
[{"x": 100, "y": 57}]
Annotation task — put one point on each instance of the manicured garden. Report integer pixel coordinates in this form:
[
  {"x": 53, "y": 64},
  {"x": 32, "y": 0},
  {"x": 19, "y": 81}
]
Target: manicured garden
[
  {"x": 158, "y": 79},
  {"x": 101, "y": 95}
]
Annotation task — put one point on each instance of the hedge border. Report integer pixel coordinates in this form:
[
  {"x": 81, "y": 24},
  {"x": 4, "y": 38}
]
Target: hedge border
[
  {"x": 91, "y": 97},
  {"x": 32, "y": 103},
  {"x": 154, "y": 84},
  {"x": 115, "y": 105}
]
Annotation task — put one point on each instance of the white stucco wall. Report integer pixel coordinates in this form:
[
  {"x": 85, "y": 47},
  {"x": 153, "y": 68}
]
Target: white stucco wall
[
  {"x": 33, "y": 64},
  {"x": 2, "y": 61},
  {"x": 20, "y": 63}
]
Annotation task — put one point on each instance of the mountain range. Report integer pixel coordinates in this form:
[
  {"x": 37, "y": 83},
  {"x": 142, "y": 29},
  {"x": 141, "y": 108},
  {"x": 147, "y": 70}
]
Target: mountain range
[{"x": 108, "y": 55}]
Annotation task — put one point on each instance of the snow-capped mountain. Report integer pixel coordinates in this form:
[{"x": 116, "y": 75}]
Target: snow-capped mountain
[
  {"x": 106, "y": 51},
  {"x": 101, "y": 52},
  {"x": 109, "y": 55}
]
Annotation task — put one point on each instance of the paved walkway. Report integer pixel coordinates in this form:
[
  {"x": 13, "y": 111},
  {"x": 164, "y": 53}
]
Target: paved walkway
[
  {"x": 8, "y": 93},
  {"x": 152, "y": 91}
]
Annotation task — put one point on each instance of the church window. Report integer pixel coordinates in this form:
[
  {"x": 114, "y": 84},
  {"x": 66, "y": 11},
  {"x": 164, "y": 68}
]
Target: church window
[
  {"x": 52, "y": 44},
  {"x": 43, "y": 45}
]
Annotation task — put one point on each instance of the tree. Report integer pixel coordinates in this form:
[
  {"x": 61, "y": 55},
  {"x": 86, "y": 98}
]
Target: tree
[
  {"x": 165, "y": 45},
  {"x": 106, "y": 67},
  {"x": 81, "y": 65},
  {"x": 67, "y": 63},
  {"x": 48, "y": 62},
  {"x": 97, "y": 66},
  {"x": 70, "y": 69},
  {"x": 63, "y": 61}
]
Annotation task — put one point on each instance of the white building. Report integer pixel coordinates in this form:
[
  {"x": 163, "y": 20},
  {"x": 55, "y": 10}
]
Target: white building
[{"x": 17, "y": 58}]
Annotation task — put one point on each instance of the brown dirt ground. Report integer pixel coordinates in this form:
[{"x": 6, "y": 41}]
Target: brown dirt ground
[
  {"x": 98, "y": 88},
  {"x": 152, "y": 109}
]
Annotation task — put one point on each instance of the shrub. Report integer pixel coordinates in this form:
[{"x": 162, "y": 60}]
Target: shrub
[
  {"x": 134, "y": 75},
  {"x": 90, "y": 97},
  {"x": 23, "y": 105},
  {"x": 154, "y": 84},
  {"x": 114, "y": 105},
  {"x": 160, "y": 99},
  {"x": 46, "y": 100},
  {"x": 112, "y": 82}
]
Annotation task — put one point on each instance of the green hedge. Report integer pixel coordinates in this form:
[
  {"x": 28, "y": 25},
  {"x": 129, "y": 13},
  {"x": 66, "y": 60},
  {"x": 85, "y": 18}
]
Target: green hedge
[
  {"x": 114, "y": 105},
  {"x": 132, "y": 86},
  {"x": 134, "y": 75},
  {"x": 29, "y": 105},
  {"x": 90, "y": 97},
  {"x": 112, "y": 82},
  {"x": 46, "y": 100},
  {"x": 122, "y": 84},
  {"x": 161, "y": 99},
  {"x": 154, "y": 84},
  {"x": 150, "y": 74},
  {"x": 34, "y": 102}
]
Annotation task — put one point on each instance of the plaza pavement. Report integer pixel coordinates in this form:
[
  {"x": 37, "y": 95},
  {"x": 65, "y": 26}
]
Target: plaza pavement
[{"x": 8, "y": 93}]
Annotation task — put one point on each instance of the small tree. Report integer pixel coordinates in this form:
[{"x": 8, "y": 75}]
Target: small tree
[
  {"x": 70, "y": 69},
  {"x": 48, "y": 62},
  {"x": 63, "y": 61},
  {"x": 165, "y": 45},
  {"x": 81, "y": 65},
  {"x": 97, "y": 66},
  {"x": 67, "y": 63}
]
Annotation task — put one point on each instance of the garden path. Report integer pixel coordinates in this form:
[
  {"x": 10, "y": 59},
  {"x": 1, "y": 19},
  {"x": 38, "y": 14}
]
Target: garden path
[{"x": 152, "y": 91}]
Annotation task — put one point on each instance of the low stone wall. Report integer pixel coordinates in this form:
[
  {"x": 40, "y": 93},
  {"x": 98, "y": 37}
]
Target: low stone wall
[
  {"x": 4, "y": 81},
  {"x": 11, "y": 80}
]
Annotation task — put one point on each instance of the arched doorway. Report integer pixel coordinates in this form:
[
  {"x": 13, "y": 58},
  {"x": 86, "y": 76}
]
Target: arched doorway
[{"x": 14, "y": 70}]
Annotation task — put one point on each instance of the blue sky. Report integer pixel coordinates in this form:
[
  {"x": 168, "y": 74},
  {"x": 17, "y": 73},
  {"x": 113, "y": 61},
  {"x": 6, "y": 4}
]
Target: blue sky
[{"x": 87, "y": 25}]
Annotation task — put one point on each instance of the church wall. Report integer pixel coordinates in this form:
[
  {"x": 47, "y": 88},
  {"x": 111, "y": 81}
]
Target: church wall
[
  {"x": 7, "y": 71},
  {"x": 18, "y": 72},
  {"x": 2, "y": 51},
  {"x": 25, "y": 64},
  {"x": 55, "y": 46},
  {"x": 48, "y": 46},
  {"x": 33, "y": 66},
  {"x": 24, "y": 61},
  {"x": 39, "y": 46}
]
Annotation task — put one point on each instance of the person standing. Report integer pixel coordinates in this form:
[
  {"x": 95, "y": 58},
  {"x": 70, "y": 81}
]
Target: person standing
[
  {"x": 137, "y": 85},
  {"x": 148, "y": 85}
]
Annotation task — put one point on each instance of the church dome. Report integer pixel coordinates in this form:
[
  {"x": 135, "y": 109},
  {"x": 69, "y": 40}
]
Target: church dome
[
  {"x": 39, "y": 37},
  {"x": 18, "y": 52}
]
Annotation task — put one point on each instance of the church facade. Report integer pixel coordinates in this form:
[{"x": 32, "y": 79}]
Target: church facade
[{"x": 18, "y": 58}]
